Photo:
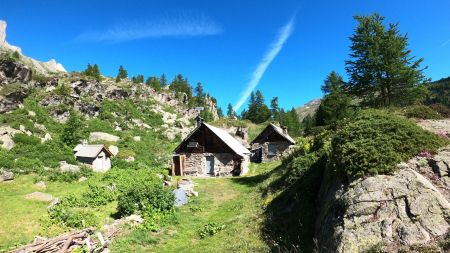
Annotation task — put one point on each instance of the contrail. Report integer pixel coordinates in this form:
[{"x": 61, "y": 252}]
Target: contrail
[{"x": 270, "y": 55}]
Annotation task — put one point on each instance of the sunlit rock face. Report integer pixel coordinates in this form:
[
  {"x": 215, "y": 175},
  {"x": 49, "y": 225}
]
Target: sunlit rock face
[{"x": 50, "y": 66}]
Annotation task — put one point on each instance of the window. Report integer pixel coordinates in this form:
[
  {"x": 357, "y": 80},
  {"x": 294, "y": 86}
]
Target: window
[
  {"x": 192, "y": 144},
  {"x": 273, "y": 150}
]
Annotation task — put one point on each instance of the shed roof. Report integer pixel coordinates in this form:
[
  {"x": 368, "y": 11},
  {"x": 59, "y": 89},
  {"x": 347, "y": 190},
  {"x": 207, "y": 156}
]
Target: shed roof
[{"x": 90, "y": 150}]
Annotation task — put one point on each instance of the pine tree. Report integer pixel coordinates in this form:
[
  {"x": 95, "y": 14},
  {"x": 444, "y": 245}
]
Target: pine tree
[
  {"x": 200, "y": 95},
  {"x": 333, "y": 83},
  {"x": 122, "y": 74},
  {"x": 154, "y": 82},
  {"x": 230, "y": 111},
  {"x": 219, "y": 112},
  {"x": 163, "y": 81},
  {"x": 274, "y": 108},
  {"x": 381, "y": 68},
  {"x": 72, "y": 132},
  {"x": 258, "y": 112},
  {"x": 96, "y": 72},
  {"x": 88, "y": 70}
]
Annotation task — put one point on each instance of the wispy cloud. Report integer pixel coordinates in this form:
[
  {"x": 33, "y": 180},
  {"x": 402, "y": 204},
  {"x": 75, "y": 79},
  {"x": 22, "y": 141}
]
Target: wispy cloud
[
  {"x": 270, "y": 55},
  {"x": 178, "y": 25}
]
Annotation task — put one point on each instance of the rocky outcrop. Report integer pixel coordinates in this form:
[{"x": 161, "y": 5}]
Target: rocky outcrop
[
  {"x": 439, "y": 127},
  {"x": 400, "y": 209},
  {"x": 6, "y": 137},
  {"x": 42, "y": 67},
  {"x": 6, "y": 175},
  {"x": 13, "y": 72},
  {"x": 3, "y": 42},
  {"x": 100, "y": 136},
  {"x": 308, "y": 109}
]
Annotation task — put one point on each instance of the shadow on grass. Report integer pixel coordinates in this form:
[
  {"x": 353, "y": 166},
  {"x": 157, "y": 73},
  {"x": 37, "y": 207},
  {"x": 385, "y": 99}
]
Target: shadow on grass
[{"x": 289, "y": 219}]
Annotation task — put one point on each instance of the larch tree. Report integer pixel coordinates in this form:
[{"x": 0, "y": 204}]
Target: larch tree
[
  {"x": 381, "y": 69},
  {"x": 123, "y": 73}
]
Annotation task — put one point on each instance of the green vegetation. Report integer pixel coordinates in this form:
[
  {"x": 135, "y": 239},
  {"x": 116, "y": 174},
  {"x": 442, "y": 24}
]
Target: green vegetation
[
  {"x": 259, "y": 113},
  {"x": 23, "y": 219},
  {"x": 138, "y": 79},
  {"x": 439, "y": 92},
  {"x": 376, "y": 141},
  {"x": 123, "y": 74},
  {"x": 93, "y": 71},
  {"x": 225, "y": 209},
  {"x": 381, "y": 69},
  {"x": 423, "y": 112}
]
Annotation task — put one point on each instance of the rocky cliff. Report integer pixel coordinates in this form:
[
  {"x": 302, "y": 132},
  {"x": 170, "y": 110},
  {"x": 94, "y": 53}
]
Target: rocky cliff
[
  {"x": 43, "y": 68},
  {"x": 393, "y": 212}
]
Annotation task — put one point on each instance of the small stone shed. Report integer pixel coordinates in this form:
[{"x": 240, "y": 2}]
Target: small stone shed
[
  {"x": 96, "y": 156},
  {"x": 210, "y": 151},
  {"x": 271, "y": 144}
]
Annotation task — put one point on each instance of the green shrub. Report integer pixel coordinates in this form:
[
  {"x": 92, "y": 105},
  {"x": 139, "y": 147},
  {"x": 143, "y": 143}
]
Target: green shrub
[
  {"x": 26, "y": 140},
  {"x": 99, "y": 195},
  {"x": 27, "y": 165},
  {"x": 376, "y": 141},
  {"x": 211, "y": 229},
  {"x": 144, "y": 195},
  {"x": 55, "y": 175},
  {"x": 442, "y": 109},
  {"x": 72, "y": 217},
  {"x": 154, "y": 220},
  {"x": 49, "y": 153},
  {"x": 421, "y": 112}
]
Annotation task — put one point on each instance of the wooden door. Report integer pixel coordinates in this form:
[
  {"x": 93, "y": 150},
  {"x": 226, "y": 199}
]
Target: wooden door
[{"x": 209, "y": 165}]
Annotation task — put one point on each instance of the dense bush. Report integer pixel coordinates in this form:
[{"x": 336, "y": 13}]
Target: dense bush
[
  {"x": 74, "y": 218},
  {"x": 56, "y": 175},
  {"x": 442, "y": 109},
  {"x": 143, "y": 196},
  {"x": 421, "y": 112},
  {"x": 376, "y": 141}
]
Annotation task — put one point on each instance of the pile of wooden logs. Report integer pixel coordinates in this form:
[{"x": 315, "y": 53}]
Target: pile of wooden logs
[{"x": 67, "y": 242}]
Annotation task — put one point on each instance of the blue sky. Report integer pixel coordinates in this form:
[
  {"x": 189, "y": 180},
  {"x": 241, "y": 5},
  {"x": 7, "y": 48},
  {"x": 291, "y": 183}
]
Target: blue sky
[{"x": 229, "y": 46}]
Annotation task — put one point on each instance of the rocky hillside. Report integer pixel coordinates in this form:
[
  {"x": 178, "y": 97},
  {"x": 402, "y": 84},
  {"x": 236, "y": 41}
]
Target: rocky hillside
[
  {"x": 36, "y": 102},
  {"x": 308, "y": 109}
]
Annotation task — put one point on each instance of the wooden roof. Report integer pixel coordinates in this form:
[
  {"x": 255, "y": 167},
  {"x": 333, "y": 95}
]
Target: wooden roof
[
  {"x": 273, "y": 133},
  {"x": 211, "y": 139}
]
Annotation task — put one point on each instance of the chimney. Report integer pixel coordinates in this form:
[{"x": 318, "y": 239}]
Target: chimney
[
  {"x": 285, "y": 129},
  {"x": 199, "y": 120}
]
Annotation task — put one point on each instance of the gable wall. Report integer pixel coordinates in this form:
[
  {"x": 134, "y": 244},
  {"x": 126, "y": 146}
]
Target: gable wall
[{"x": 283, "y": 148}]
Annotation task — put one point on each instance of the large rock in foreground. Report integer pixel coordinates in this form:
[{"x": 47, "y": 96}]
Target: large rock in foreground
[{"x": 400, "y": 209}]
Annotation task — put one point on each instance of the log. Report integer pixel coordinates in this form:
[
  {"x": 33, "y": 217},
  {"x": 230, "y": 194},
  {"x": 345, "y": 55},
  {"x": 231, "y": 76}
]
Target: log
[{"x": 60, "y": 244}]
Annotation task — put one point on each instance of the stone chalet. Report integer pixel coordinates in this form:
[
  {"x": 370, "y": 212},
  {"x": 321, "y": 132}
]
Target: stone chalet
[
  {"x": 271, "y": 144},
  {"x": 210, "y": 151}
]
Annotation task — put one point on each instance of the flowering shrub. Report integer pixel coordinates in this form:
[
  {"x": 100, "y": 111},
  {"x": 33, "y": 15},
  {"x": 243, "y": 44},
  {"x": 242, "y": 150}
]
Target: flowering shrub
[{"x": 425, "y": 154}]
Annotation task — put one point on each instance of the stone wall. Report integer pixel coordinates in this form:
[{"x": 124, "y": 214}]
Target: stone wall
[
  {"x": 196, "y": 163},
  {"x": 283, "y": 149}
]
